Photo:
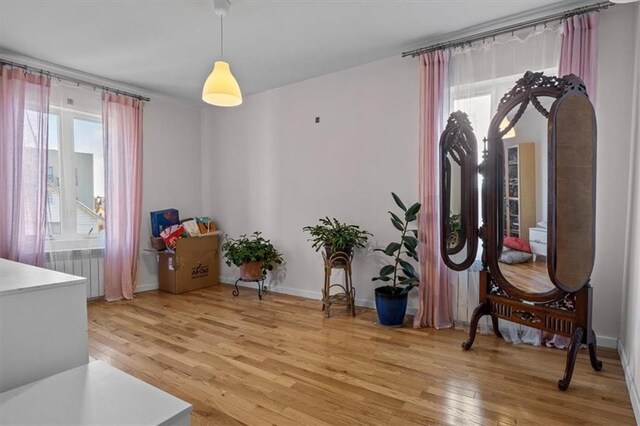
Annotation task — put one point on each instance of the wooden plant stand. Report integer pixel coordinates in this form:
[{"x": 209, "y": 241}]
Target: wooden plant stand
[{"x": 338, "y": 260}]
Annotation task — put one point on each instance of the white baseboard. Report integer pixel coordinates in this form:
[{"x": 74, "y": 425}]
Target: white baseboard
[
  {"x": 631, "y": 385},
  {"x": 146, "y": 287},
  {"x": 607, "y": 342},
  {"x": 308, "y": 294},
  {"x": 603, "y": 341}
]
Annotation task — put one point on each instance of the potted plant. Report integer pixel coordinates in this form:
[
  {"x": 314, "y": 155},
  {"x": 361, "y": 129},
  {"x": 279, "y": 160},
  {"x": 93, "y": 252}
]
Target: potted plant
[
  {"x": 335, "y": 237},
  {"x": 454, "y": 230},
  {"x": 253, "y": 254},
  {"x": 391, "y": 299}
]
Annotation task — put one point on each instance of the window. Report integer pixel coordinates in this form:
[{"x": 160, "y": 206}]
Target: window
[{"x": 75, "y": 175}]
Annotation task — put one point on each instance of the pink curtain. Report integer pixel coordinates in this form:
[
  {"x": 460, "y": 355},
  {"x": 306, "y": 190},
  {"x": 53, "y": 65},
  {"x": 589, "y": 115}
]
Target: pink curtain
[
  {"x": 435, "y": 300},
  {"x": 122, "y": 124},
  {"x": 579, "y": 54},
  {"x": 24, "y": 115}
]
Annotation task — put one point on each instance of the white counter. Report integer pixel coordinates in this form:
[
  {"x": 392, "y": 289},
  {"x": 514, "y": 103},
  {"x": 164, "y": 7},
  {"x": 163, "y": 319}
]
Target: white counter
[
  {"x": 93, "y": 394},
  {"x": 17, "y": 277},
  {"x": 43, "y": 323}
]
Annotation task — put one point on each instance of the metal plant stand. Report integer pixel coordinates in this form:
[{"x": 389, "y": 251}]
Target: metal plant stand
[
  {"x": 347, "y": 296},
  {"x": 261, "y": 287}
]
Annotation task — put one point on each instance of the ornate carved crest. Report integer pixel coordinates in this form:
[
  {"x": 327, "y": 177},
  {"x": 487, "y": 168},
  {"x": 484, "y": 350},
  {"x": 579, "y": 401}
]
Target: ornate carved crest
[
  {"x": 523, "y": 89},
  {"x": 529, "y": 81},
  {"x": 459, "y": 126}
]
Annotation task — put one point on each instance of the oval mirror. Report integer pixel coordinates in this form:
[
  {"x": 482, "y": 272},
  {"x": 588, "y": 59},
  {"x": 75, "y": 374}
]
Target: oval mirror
[
  {"x": 459, "y": 193},
  {"x": 522, "y": 163},
  {"x": 518, "y": 167}
]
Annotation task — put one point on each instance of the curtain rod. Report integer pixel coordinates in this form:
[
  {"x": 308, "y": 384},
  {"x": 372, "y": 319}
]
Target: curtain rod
[
  {"x": 72, "y": 79},
  {"x": 510, "y": 28}
]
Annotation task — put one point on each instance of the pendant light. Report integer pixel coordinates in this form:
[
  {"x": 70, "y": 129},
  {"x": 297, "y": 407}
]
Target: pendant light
[{"x": 221, "y": 87}]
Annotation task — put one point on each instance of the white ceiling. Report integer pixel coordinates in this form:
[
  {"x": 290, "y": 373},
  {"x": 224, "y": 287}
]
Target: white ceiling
[{"x": 168, "y": 46}]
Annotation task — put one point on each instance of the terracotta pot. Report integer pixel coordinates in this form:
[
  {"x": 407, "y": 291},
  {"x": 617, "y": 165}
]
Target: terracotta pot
[{"x": 251, "y": 271}]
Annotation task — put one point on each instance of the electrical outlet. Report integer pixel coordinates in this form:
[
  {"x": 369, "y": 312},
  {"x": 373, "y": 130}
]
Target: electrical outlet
[{"x": 317, "y": 119}]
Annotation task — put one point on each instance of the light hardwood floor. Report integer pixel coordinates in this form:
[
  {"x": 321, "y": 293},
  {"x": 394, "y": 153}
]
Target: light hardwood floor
[
  {"x": 531, "y": 277},
  {"x": 278, "y": 361}
]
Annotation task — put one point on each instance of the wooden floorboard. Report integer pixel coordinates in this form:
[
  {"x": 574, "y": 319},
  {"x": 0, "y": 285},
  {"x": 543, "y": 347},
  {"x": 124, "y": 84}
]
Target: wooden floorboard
[{"x": 279, "y": 361}]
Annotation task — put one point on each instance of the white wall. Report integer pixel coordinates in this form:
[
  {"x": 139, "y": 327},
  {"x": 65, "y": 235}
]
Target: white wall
[
  {"x": 171, "y": 171},
  {"x": 613, "y": 111},
  {"x": 629, "y": 338},
  {"x": 270, "y": 167}
]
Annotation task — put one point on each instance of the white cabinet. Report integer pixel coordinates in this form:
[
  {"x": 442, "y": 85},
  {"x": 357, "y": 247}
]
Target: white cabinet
[
  {"x": 538, "y": 242},
  {"x": 43, "y": 323},
  {"x": 92, "y": 394},
  {"x": 45, "y": 374}
]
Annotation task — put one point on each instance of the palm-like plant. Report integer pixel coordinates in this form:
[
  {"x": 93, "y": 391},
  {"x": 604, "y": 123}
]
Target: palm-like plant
[
  {"x": 400, "y": 274},
  {"x": 336, "y": 236}
]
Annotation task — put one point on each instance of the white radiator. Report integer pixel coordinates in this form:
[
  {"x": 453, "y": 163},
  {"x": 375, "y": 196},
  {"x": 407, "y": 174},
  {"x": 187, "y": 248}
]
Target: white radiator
[
  {"x": 464, "y": 296},
  {"x": 88, "y": 263}
]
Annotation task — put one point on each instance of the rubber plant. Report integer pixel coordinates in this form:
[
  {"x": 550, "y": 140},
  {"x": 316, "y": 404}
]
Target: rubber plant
[{"x": 400, "y": 273}]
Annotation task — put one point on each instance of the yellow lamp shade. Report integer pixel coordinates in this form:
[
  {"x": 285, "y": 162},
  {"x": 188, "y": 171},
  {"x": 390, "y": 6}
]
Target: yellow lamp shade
[
  {"x": 503, "y": 125},
  {"x": 221, "y": 87}
]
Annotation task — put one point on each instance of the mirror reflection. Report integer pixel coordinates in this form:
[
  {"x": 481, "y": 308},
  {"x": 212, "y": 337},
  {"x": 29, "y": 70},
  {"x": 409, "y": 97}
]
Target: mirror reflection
[
  {"x": 523, "y": 260},
  {"x": 453, "y": 172}
]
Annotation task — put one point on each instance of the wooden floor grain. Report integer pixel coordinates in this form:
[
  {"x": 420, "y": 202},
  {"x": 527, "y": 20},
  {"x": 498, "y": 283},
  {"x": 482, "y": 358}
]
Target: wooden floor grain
[{"x": 279, "y": 361}]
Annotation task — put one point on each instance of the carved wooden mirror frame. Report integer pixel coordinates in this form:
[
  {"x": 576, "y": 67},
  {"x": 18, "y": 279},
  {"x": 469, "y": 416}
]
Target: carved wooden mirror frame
[
  {"x": 566, "y": 309},
  {"x": 459, "y": 143}
]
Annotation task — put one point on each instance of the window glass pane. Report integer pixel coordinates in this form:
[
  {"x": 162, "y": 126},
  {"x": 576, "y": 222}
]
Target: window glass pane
[
  {"x": 89, "y": 176},
  {"x": 53, "y": 177}
]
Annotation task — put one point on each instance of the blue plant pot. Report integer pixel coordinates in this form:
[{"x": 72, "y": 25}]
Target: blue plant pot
[{"x": 391, "y": 307}]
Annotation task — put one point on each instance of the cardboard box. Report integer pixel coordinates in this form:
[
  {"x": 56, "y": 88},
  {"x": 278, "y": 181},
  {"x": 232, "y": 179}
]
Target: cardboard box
[{"x": 193, "y": 266}]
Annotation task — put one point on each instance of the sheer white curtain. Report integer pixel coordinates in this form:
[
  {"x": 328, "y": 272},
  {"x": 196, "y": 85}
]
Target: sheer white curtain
[{"x": 480, "y": 74}]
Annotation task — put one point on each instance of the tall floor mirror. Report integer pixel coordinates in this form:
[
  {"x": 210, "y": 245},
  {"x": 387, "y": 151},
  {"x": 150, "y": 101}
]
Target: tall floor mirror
[{"x": 538, "y": 210}]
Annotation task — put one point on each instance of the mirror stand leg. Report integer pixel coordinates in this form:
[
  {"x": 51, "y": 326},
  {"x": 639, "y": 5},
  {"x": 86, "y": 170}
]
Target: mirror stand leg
[
  {"x": 478, "y": 313},
  {"x": 593, "y": 354},
  {"x": 495, "y": 325},
  {"x": 572, "y": 355}
]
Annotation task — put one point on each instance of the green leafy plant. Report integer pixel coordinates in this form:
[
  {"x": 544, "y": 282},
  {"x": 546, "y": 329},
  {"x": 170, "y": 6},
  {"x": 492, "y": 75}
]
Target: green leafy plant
[
  {"x": 400, "y": 274},
  {"x": 454, "y": 224},
  {"x": 253, "y": 248},
  {"x": 336, "y": 236}
]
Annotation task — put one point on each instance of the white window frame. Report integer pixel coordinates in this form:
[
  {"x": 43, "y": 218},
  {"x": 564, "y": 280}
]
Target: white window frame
[{"x": 66, "y": 151}]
